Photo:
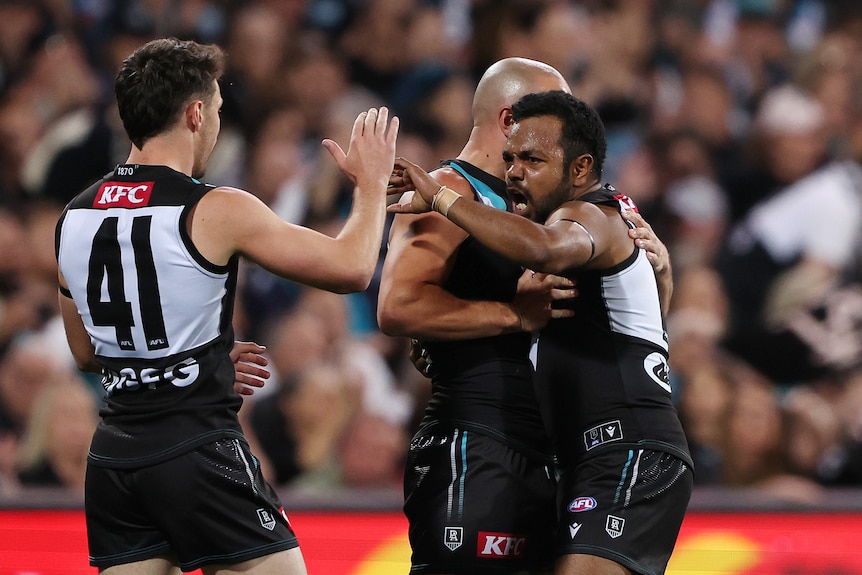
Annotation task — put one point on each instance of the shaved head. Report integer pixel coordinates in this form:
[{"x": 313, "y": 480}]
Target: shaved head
[{"x": 507, "y": 80}]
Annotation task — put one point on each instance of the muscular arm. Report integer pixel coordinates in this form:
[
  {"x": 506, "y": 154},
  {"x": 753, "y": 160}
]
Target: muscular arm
[
  {"x": 555, "y": 247},
  {"x": 412, "y": 301}
]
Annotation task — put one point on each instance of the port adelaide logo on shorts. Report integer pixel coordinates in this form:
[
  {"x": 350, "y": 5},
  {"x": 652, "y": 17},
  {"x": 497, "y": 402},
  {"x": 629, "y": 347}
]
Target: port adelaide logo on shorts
[
  {"x": 453, "y": 537},
  {"x": 614, "y": 526},
  {"x": 267, "y": 519}
]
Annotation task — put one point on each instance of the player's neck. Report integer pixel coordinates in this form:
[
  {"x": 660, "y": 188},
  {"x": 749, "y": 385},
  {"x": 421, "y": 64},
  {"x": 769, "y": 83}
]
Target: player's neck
[
  {"x": 164, "y": 150},
  {"x": 485, "y": 152}
]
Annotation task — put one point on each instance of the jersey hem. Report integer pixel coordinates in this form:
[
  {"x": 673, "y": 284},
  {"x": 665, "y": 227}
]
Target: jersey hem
[
  {"x": 164, "y": 455},
  {"x": 531, "y": 452}
]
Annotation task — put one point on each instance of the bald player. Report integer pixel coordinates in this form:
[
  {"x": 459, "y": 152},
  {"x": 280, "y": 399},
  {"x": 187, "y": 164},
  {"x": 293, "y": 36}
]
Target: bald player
[{"x": 479, "y": 482}]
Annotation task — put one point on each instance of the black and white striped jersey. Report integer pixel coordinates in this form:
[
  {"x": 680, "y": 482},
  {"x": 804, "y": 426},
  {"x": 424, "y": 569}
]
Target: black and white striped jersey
[
  {"x": 157, "y": 312},
  {"x": 602, "y": 374}
]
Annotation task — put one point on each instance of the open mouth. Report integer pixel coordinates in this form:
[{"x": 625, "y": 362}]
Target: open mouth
[{"x": 519, "y": 201}]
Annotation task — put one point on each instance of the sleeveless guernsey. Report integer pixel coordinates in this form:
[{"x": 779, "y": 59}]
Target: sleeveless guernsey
[{"x": 157, "y": 312}]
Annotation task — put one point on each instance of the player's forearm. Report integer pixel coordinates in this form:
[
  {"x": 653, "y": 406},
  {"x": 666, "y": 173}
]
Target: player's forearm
[
  {"x": 360, "y": 239},
  {"x": 444, "y": 317},
  {"x": 534, "y": 246}
]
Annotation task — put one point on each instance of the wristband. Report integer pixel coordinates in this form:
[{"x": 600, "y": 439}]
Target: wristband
[{"x": 443, "y": 200}]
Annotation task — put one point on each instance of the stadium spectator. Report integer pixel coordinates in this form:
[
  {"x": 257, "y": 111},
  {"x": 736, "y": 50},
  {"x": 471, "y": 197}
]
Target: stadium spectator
[
  {"x": 53, "y": 450},
  {"x": 682, "y": 85}
]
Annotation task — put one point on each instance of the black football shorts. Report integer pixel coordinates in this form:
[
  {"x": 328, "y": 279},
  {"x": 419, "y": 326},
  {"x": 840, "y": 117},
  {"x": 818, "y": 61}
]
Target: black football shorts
[
  {"x": 476, "y": 506},
  {"x": 210, "y": 505},
  {"x": 626, "y": 506}
]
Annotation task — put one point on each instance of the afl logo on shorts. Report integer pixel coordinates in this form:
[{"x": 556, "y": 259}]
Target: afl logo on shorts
[
  {"x": 656, "y": 367},
  {"x": 582, "y": 504}
]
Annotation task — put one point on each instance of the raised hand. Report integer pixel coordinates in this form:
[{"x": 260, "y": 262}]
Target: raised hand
[
  {"x": 371, "y": 152},
  {"x": 407, "y": 176},
  {"x": 644, "y": 237}
]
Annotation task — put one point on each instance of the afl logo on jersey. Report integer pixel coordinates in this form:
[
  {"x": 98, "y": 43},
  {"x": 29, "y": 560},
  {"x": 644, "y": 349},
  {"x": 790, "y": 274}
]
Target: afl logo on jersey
[
  {"x": 123, "y": 195},
  {"x": 656, "y": 367}
]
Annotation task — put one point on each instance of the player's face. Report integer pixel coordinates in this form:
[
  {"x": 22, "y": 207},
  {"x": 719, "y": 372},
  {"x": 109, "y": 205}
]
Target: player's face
[
  {"x": 537, "y": 180},
  {"x": 209, "y": 132}
]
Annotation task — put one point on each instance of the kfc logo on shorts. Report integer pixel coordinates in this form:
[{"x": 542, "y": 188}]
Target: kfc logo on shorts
[
  {"x": 123, "y": 195},
  {"x": 582, "y": 504},
  {"x": 500, "y": 545}
]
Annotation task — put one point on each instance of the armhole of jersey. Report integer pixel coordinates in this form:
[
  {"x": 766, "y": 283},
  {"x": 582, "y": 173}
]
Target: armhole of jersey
[
  {"x": 57, "y": 233},
  {"x": 187, "y": 240},
  {"x": 625, "y": 263}
]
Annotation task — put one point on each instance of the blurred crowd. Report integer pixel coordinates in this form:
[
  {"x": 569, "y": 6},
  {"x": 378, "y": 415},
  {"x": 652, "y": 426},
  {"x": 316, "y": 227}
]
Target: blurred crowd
[{"x": 736, "y": 125}]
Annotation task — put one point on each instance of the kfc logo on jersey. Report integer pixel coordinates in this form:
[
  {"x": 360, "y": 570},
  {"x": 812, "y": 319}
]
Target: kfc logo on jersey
[
  {"x": 123, "y": 195},
  {"x": 500, "y": 545}
]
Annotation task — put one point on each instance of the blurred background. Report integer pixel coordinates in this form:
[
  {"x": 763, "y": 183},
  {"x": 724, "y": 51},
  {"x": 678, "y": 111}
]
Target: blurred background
[{"x": 736, "y": 126}]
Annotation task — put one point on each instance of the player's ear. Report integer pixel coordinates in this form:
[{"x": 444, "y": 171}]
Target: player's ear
[
  {"x": 505, "y": 120},
  {"x": 580, "y": 169},
  {"x": 194, "y": 115}
]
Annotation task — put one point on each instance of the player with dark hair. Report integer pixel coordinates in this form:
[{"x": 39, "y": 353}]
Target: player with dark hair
[
  {"x": 625, "y": 471},
  {"x": 479, "y": 484},
  {"x": 479, "y": 480},
  {"x": 148, "y": 268}
]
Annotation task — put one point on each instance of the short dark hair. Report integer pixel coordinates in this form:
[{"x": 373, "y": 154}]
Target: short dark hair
[
  {"x": 158, "y": 79},
  {"x": 583, "y": 131}
]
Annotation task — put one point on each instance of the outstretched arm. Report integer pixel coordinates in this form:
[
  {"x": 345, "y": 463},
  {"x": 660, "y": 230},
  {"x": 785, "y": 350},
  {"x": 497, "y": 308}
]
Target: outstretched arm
[
  {"x": 556, "y": 247},
  {"x": 413, "y": 301},
  {"x": 229, "y": 221}
]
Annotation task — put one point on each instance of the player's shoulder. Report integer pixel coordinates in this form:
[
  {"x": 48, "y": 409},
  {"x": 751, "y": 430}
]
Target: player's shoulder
[
  {"x": 229, "y": 196},
  {"x": 224, "y": 204},
  {"x": 452, "y": 178}
]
